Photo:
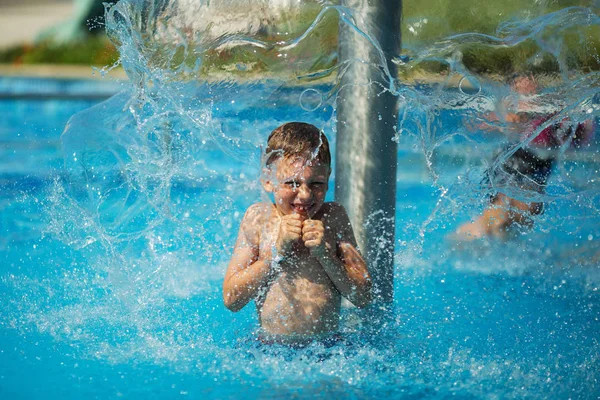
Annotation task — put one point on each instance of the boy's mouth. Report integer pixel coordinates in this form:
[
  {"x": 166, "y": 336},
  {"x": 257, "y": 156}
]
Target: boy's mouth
[{"x": 302, "y": 208}]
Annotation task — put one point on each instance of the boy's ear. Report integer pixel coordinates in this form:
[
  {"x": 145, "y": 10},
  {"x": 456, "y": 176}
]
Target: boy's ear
[
  {"x": 268, "y": 186},
  {"x": 266, "y": 180}
]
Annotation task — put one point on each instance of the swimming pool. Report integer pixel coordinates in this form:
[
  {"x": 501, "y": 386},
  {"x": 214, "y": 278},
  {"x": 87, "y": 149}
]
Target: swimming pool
[
  {"x": 128, "y": 303},
  {"x": 117, "y": 223}
]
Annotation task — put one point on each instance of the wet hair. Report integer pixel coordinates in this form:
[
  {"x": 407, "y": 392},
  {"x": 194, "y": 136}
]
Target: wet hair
[{"x": 298, "y": 139}]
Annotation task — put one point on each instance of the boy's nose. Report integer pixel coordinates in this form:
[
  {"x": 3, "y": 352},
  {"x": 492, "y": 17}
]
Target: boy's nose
[{"x": 304, "y": 192}]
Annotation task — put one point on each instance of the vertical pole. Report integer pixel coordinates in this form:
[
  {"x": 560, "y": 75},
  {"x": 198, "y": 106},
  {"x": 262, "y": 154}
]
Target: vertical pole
[{"x": 366, "y": 154}]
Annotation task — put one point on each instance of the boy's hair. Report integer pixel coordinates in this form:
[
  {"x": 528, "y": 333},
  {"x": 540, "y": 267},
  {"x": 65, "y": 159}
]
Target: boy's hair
[{"x": 298, "y": 139}]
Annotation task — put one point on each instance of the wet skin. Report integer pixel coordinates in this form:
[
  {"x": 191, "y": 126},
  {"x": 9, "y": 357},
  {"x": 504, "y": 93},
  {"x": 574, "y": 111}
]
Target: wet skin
[
  {"x": 504, "y": 211},
  {"x": 297, "y": 257}
]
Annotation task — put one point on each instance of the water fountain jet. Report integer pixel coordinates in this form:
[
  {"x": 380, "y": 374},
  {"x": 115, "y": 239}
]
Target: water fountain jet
[{"x": 365, "y": 170}]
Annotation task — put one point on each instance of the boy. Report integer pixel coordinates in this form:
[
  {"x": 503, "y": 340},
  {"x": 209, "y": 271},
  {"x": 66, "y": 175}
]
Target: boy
[{"x": 296, "y": 257}]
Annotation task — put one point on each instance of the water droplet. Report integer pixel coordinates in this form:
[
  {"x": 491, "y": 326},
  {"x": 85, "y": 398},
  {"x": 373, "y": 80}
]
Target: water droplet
[
  {"x": 469, "y": 85},
  {"x": 311, "y": 99}
]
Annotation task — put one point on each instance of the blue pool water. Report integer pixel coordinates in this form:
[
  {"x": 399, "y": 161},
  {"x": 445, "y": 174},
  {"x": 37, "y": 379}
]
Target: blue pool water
[
  {"x": 119, "y": 215},
  {"x": 486, "y": 320}
]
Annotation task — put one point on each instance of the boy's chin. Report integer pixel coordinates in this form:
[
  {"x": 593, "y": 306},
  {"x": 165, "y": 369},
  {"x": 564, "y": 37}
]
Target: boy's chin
[
  {"x": 308, "y": 214},
  {"x": 304, "y": 215}
]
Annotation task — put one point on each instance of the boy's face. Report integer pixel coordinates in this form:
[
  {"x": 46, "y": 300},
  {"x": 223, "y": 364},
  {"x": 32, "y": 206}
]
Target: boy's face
[
  {"x": 299, "y": 186},
  {"x": 524, "y": 85}
]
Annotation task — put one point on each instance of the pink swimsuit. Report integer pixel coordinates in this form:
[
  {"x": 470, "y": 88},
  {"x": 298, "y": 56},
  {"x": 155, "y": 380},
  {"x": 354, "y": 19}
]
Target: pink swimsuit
[{"x": 559, "y": 133}]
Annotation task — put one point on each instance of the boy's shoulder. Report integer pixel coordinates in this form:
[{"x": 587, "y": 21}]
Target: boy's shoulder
[
  {"x": 335, "y": 217},
  {"x": 255, "y": 218},
  {"x": 332, "y": 210},
  {"x": 258, "y": 211},
  {"x": 333, "y": 206}
]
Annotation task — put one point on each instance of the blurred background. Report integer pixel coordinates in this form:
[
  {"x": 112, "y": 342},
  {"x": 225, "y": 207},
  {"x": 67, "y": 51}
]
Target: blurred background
[
  {"x": 36, "y": 35},
  {"x": 22, "y": 21},
  {"x": 71, "y": 32}
]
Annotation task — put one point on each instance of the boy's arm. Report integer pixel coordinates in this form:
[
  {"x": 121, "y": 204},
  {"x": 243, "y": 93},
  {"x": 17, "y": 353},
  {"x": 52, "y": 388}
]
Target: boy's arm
[
  {"x": 247, "y": 274},
  {"x": 340, "y": 257}
]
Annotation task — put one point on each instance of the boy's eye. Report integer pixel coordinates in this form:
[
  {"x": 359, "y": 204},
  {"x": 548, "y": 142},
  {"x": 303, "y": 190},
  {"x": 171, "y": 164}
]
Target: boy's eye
[{"x": 293, "y": 184}]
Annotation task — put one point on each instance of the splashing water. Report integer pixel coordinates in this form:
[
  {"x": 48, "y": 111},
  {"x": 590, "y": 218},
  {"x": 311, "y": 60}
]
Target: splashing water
[{"x": 125, "y": 283}]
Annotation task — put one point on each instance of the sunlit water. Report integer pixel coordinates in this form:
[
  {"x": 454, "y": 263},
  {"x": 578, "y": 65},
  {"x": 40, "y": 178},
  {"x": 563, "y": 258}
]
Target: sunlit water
[{"x": 115, "y": 238}]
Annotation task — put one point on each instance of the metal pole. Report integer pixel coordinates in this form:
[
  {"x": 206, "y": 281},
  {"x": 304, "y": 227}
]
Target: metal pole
[{"x": 366, "y": 155}]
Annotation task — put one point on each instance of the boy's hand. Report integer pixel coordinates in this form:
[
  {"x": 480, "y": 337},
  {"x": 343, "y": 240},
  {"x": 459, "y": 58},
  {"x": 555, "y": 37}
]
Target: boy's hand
[
  {"x": 290, "y": 231},
  {"x": 313, "y": 233}
]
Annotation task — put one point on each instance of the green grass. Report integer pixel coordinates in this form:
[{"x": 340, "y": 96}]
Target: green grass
[
  {"x": 95, "y": 50},
  {"x": 428, "y": 22}
]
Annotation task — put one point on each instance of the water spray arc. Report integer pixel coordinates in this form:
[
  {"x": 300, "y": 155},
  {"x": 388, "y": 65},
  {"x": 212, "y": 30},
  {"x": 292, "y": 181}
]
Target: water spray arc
[{"x": 365, "y": 170}]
